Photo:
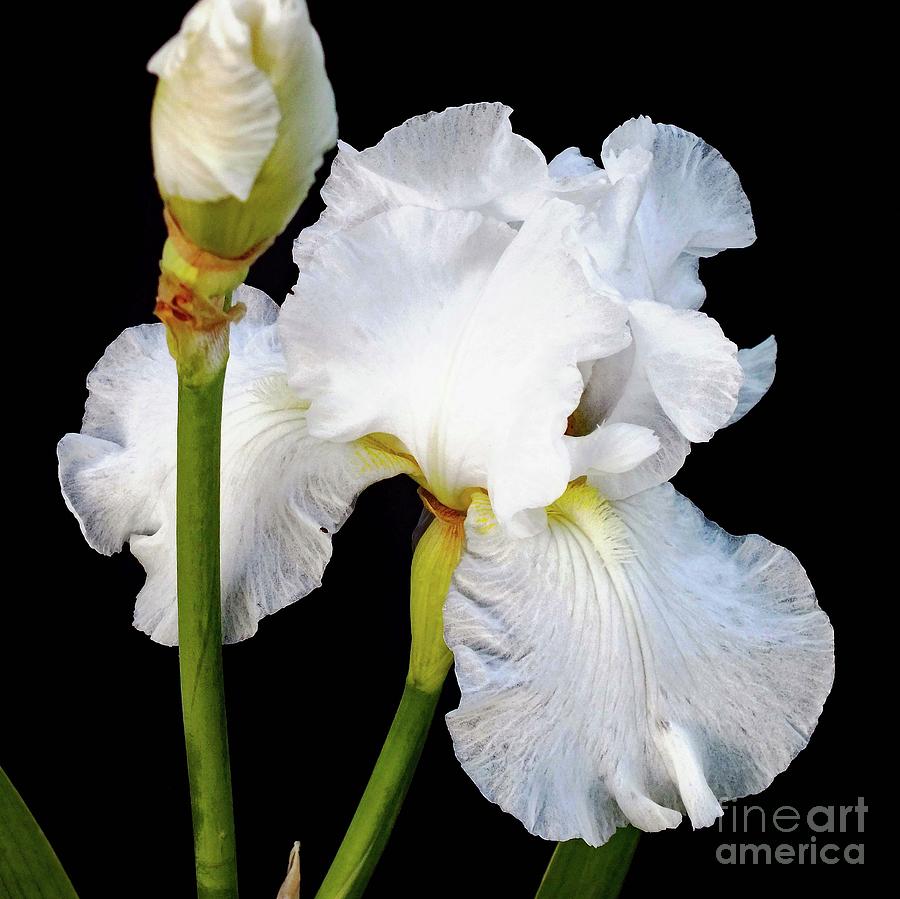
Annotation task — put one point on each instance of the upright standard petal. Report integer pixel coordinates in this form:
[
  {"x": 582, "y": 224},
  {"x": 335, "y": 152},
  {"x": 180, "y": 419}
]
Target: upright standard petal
[
  {"x": 630, "y": 663},
  {"x": 458, "y": 336},
  {"x": 693, "y": 206},
  {"x": 466, "y": 157},
  {"x": 283, "y": 493}
]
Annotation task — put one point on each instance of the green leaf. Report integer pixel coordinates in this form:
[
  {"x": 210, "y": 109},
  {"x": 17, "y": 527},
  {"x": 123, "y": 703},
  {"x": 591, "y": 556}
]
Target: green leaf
[
  {"x": 579, "y": 871},
  {"x": 29, "y": 868}
]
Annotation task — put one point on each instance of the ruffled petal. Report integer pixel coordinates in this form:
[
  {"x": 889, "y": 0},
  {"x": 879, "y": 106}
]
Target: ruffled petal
[
  {"x": 283, "y": 493},
  {"x": 458, "y": 336},
  {"x": 617, "y": 390},
  {"x": 571, "y": 164},
  {"x": 693, "y": 206},
  {"x": 630, "y": 663},
  {"x": 612, "y": 252},
  {"x": 690, "y": 364},
  {"x": 758, "y": 366},
  {"x": 576, "y": 178},
  {"x": 657, "y": 468},
  {"x": 680, "y": 378},
  {"x": 466, "y": 157}
]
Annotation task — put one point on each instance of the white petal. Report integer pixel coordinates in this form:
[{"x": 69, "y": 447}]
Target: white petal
[
  {"x": 572, "y": 164},
  {"x": 662, "y": 466},
  {"x": 690, "y": 364},
  {"x": 632, "y": 662},
  {"x": 295, "y": 63},
  {"x": 613, "y": 397},
  {"x": 680, "y": 378},
  {"x": 466, "y": 157},
  {"x": 283, "y": 493},
  {"x": 611, "y": 447},
  {"x": 613, "y": 254},
  {"x": 458, "y": 336},
  {"x": 576, "y": 178},
  {"x": 215, "y": 116},
  {"x": 681, "y": 286},
  {"x": 693, "y": 206},
  {"x": 758, "y": 365}
]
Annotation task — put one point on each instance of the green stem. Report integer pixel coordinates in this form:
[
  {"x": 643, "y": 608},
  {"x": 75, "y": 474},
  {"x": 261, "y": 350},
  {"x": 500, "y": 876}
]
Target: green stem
[
  {"x": 378, "y": 809},
  {"x": 579, "y": 871},
  {"x": 200, "y": 635},
  {"x": 436, "y": 556}
]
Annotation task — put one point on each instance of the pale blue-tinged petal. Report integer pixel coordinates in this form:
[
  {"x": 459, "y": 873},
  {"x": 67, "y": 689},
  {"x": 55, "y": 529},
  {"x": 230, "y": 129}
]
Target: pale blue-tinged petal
[
  {"x": 690, "y": 364},
  {"x": 576, "y": 178},
  {"x": 680, "y": 378},
  {"x": 758, "y": 365},
  {"x": 693, "y": 206},
  {"x": 630, "y": 663}
]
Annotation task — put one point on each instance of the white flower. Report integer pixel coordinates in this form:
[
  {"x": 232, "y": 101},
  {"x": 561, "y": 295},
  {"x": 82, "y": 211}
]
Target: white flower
[
  {"x": 243, "y": 113},
  {"x": 620, "y": 659}
]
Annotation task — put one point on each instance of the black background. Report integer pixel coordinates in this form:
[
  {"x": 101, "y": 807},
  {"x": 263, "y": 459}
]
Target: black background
[{"x": 91, "y": 728}]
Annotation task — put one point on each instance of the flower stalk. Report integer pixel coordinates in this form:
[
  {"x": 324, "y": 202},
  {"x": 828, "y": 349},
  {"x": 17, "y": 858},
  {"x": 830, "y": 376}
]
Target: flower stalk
[
  {"x": 194, "y": 302},
  {"x": 200, "y": 634},
  {"x": 436, "y": 556},
  {"x": 579, "y": 871}
]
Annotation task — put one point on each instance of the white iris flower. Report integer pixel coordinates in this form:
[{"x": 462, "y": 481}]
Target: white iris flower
[{"x": 523, "y": 340}]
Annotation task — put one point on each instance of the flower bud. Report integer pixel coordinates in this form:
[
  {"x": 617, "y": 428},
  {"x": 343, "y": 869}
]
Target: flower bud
[{"x": 242, "y": 115}]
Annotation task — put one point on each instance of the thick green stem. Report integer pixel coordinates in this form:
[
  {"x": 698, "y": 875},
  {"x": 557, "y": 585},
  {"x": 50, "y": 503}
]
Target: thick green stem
[
  {"x": 200, "y": 635},
  {"x": 436, "y": 556},
  {"x": 579, "y": 871}
]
